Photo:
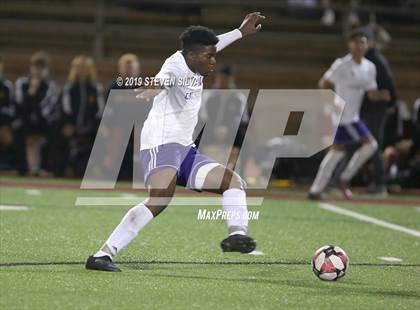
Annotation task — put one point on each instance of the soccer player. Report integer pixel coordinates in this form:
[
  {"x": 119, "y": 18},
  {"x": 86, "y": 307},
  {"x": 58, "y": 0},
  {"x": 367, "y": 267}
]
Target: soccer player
[
  {"x": 350, "y": 76},
  {"x": 167, "y": 152}
]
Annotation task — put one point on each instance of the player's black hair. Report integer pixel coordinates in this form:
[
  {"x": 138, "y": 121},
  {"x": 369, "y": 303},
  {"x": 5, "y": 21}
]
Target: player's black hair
[
  {"x": 356, "y": 33},
  {"x": 195, "y": 37}
]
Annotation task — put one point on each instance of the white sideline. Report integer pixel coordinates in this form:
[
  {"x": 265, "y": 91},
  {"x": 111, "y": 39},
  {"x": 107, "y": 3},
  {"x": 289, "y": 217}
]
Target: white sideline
[{"x": 369, "y": 219}]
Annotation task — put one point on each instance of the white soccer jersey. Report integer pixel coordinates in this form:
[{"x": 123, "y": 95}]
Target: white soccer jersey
[
  {"x": 351, "y": 80},
  {"x": 174, "y": 114}
]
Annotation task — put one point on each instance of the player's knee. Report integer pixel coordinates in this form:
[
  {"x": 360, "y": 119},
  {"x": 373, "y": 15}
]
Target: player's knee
[
  {"x": 236, "y": 182},
  {"x": 156, "y": 205},
  {"x": 374, "y": 144},
  {"x": 371, "y": 145},
  {"x": 159, "y": 199}
]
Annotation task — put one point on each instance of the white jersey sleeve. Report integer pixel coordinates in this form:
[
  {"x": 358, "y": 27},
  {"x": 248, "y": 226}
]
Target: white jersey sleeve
[
  {"x": 371, "y": 84},
  {"x": 334, "y": 73},
  {"x": 228, "y": 38}
]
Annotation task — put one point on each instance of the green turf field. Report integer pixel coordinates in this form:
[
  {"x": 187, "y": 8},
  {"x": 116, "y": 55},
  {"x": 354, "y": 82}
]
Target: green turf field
[{"x": 176, "y": 262}]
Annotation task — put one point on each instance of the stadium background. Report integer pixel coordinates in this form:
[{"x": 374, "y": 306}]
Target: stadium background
[{"x": 297, "y": 45}]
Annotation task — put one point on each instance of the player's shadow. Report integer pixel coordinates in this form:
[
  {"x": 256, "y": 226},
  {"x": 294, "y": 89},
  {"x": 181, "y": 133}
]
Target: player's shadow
[{"x": 344, "y": 288}]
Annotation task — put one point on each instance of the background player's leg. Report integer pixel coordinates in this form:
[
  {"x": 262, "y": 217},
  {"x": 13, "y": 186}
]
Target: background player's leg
[
  {"x": 375, "y": 116},
  {"x": 328, "y": 164},
  {"x": 161, "y": 187},
  {"x": 369, "y": 146}
]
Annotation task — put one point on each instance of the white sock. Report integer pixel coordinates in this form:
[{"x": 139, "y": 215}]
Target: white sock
[
  {"x": 101, "y": 253},
  {"x": 325, "y": 170},
  {"x": 358, "y": 159},
  {"x": 234, "y": 203},
  {"x": 131, "y": 224}
]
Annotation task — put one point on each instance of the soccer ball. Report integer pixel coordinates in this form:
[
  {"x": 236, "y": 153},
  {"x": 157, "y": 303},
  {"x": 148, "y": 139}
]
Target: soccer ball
[{"x": 330, "y": 263}]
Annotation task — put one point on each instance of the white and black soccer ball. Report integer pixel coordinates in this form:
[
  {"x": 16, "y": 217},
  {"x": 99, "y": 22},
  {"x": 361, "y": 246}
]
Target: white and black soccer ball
[{"x": 330, "y": 263}]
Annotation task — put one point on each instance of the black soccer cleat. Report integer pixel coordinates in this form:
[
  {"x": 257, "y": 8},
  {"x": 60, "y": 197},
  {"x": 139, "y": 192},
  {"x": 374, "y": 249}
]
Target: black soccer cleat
[
  {"x": 103, "y": 263},
  {"x": 238, "y": 243}
]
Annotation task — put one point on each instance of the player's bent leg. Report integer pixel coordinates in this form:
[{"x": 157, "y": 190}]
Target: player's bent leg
[
  {"x": 161, "y": 186},
  {"x": 219, "y": 179},
  {"x": 325, "y": 171},
  {"x": 134, "y": 220},
  {"x": 368, "y": 148},
  {"x": 224, "y": 181}
]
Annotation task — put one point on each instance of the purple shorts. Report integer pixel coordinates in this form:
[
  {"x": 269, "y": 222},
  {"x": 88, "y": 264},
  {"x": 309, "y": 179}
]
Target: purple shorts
[
  {"x": 351, "y": 133},
  {"x": 186, "y": 160}
]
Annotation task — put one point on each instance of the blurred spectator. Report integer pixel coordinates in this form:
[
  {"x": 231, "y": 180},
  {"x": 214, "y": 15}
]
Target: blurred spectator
[
  {"x": 328, "y": 17},
  {"x": 374, "y": 113},
  {"x": 81, "y": 105},
  {"x": 398, "y": 124},
  {"x": 350, "y": 19},
  {"x": 36, "y": 96},
  {"x": 380, "y": 36},
  {"x": 7, "y": 116},
  {"x": 416, "y": 129},
  {"x": 414, "y": 151},
  {"x": 402, "y": 157},
  {"x": 129, "y": 66},
  {"x": 303, "y": 9},
  {"x": 219, "y": 110}
]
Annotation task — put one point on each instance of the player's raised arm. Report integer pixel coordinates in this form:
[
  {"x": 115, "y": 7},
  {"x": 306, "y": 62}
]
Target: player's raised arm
[
  {"x": 149, "y": 92},
  {"x": 152, "y": 87},
  {"x": 250, "y": 25}
]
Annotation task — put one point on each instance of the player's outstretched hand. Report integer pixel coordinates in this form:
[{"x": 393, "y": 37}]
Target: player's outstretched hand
[
  {"x": 147, "y": 93},
  {"x": 251, "y": 23}
]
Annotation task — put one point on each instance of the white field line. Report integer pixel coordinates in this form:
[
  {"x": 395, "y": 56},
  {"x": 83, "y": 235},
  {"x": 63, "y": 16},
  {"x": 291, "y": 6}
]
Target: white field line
[
  {"x": 33, "y": 192},
  {"x": 390, "y": 259},
  {"x": 124, "y": 201},
  {"x": 369, "y": 219},
  {"x": 13, "y": 208}
]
